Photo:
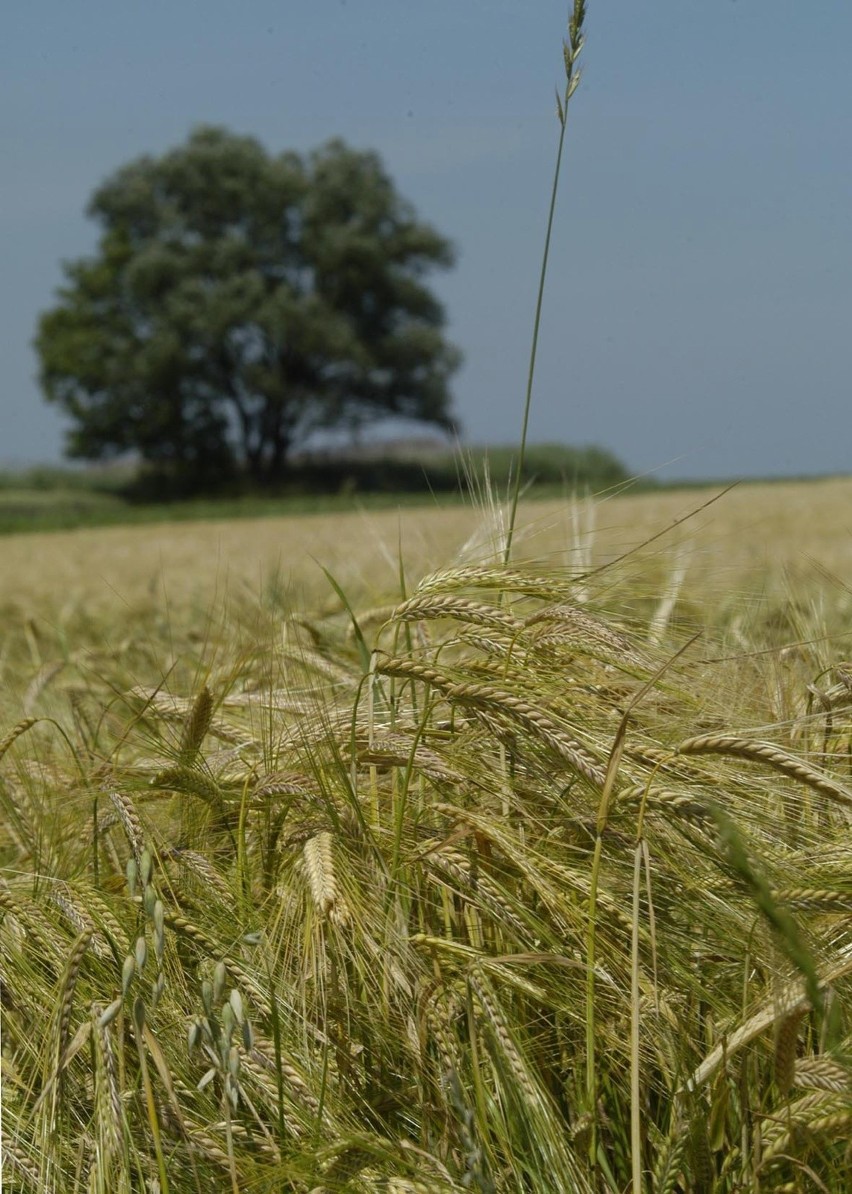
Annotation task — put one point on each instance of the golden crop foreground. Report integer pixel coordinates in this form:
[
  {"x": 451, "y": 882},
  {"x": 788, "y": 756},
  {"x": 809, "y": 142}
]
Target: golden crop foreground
[{"x": 436, "y": 877}]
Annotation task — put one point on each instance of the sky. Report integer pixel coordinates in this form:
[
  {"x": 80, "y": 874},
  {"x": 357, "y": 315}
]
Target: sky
[{"x": 698, "y": 308}]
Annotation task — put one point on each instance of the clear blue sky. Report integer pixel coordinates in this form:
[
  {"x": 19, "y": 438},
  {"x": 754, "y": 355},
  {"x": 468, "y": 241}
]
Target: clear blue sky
[{"x": 698, "y": 315}]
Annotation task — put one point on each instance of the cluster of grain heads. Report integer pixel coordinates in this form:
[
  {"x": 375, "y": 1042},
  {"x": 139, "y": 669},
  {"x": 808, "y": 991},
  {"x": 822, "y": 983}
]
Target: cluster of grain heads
[{"x": 511, "y": 906}]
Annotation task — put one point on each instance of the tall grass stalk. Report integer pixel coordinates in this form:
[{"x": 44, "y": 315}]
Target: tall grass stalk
[{"x": 572, "y": 47}]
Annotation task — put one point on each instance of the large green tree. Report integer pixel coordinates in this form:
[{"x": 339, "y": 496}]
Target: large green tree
[{"x": 240, "y": 301}]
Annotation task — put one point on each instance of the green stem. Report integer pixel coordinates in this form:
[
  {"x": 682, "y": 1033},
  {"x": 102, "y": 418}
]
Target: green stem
[
  {"x": 516, "y": 491},
  {"x": 635, "y": 1071},
  {"x": 591, "y": 1073},
  {"x": 150, "y": 1103},
  {"x": 572, "y": 50}
]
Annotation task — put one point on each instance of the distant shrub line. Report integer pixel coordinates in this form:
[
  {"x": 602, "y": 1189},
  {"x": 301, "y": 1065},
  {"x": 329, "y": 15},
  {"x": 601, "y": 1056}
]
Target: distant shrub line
[
  {"x": 396, "y": 471},
  {"x": 59, "y": 497}
]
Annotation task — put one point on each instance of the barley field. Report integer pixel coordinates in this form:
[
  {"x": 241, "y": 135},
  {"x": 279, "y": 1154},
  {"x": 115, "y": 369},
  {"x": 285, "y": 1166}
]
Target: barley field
[{"x": 338, "y": 855}]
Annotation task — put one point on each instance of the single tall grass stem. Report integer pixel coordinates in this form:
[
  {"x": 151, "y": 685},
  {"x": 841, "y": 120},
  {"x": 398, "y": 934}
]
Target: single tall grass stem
[{"x": 572, "y": 47}]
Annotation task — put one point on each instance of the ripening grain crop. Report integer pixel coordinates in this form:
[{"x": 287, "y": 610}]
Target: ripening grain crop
[{"x": 487, "y": 881}]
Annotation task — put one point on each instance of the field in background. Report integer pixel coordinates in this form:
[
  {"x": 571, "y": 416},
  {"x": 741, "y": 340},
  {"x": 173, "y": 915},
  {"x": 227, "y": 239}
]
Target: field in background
[
  {"x": 534, "y": 878},
  {"x": 783, "y": 540}
]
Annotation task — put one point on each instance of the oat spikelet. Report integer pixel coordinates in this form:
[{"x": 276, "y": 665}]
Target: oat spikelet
[
  {"x": 319, "y": 868},
  {"x": 186, "y": 928},
  {"x": 196, "y": 726},
  {"x": 20, "y": 728},
  {"x": 748, "y": 748}
]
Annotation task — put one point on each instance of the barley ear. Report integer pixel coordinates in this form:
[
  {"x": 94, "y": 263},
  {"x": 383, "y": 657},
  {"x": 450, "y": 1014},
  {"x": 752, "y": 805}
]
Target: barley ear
[
  {"x": 786, "y": 1038},
  {"x": 20, "y": 728},
  {"x": 196, "y": 727}
]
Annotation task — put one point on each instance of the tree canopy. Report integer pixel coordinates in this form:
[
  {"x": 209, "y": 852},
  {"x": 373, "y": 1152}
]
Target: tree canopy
[{"x": 240, "y": 301}]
